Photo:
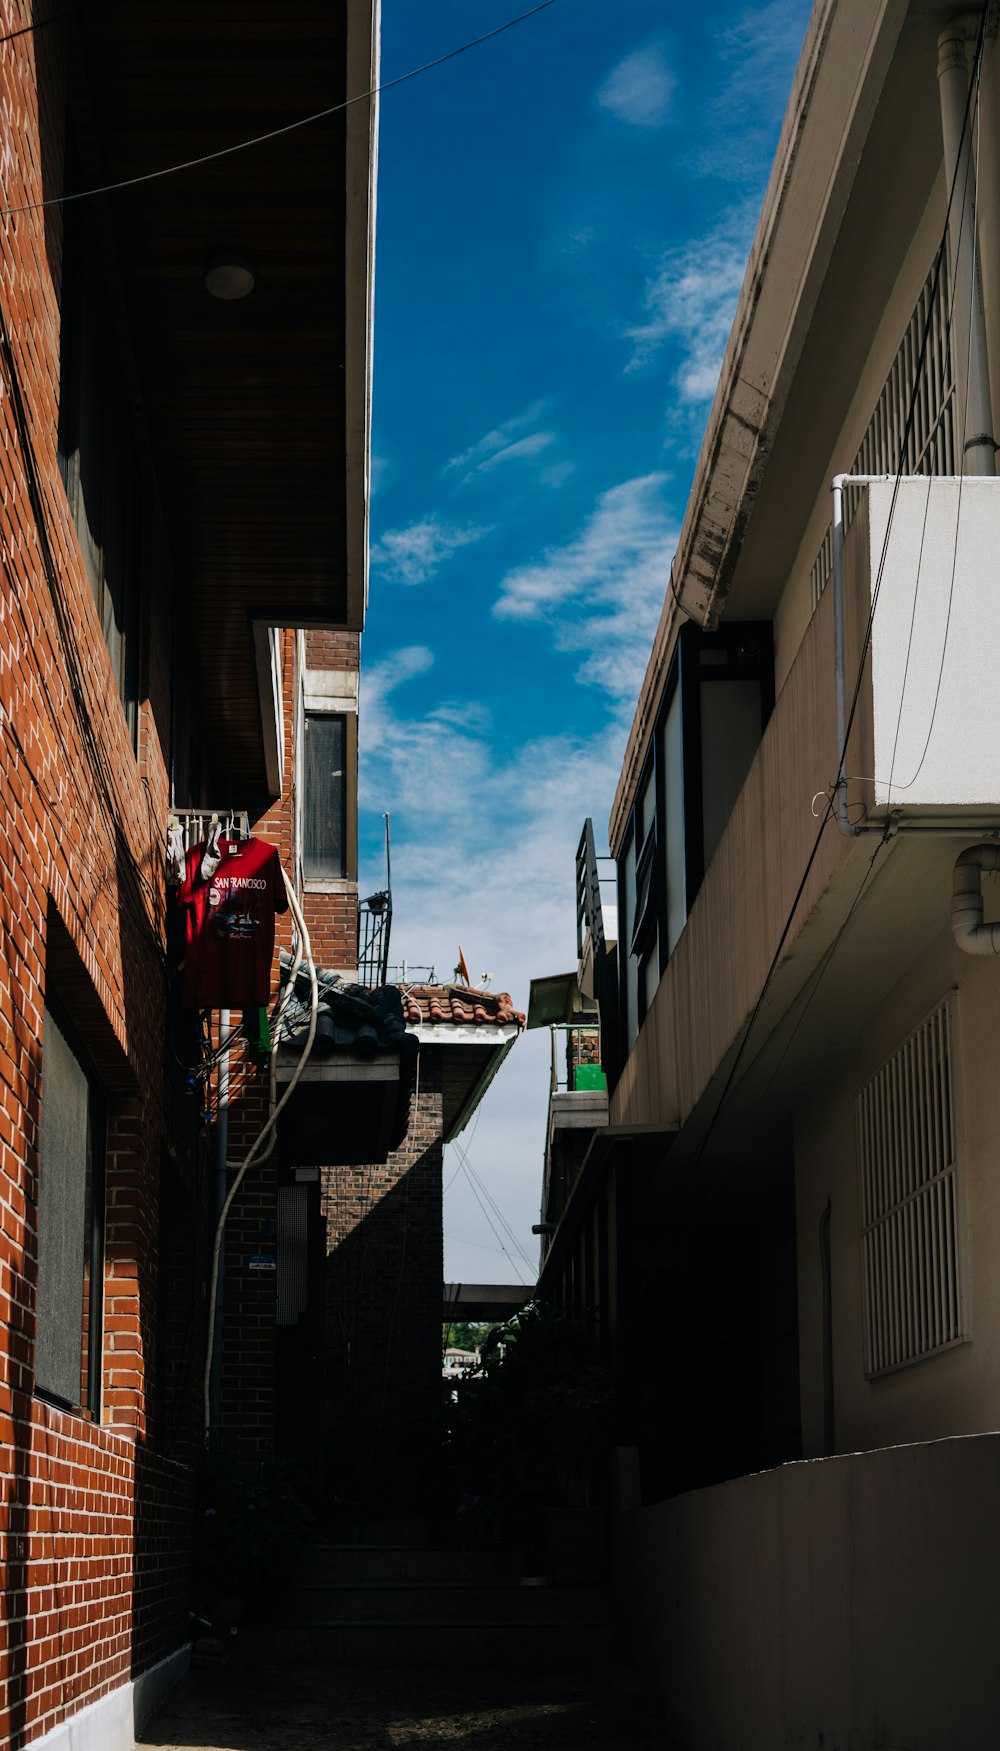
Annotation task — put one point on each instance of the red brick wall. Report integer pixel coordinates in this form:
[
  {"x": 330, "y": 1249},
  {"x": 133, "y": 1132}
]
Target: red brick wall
[
  {"x": 333, "y": 650},
  {"x": 93, "y": 1578},
  {"x": 384, "y": 1277}
]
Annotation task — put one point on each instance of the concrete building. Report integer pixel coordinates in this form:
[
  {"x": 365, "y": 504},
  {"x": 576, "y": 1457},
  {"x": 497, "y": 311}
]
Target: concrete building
[{"x": 796, "y": 1185}]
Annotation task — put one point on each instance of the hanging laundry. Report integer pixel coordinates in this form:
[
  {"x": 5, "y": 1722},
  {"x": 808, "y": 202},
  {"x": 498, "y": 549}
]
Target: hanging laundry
[{"x": 229, "y": 899}]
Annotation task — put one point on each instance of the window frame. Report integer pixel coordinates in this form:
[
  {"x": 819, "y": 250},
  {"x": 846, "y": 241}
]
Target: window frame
[
  {"x": 746, "y": 652},
  {"x": 88, "y": 1401},
  {"x": 322, "y": 693}
]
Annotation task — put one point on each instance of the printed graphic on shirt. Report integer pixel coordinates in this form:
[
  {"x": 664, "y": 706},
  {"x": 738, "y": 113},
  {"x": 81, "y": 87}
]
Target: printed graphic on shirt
[{"x": 230, "y": 925}]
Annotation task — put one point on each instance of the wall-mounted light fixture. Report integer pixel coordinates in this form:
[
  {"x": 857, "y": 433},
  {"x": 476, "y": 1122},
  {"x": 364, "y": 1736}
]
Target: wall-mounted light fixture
[{"x": 229, "y": 276}]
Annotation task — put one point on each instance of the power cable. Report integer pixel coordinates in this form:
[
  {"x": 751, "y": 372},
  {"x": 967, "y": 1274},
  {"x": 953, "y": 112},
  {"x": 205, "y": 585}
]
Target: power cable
[
  {"x": 495, "y": 1207},
  {"x": 973, "y": 280},
  {"x": 511, "y": 1261},
  {"x": 29, "y": 29},
  {"x": 276, "y": 133},
  {"x": 856, "y": 695}
]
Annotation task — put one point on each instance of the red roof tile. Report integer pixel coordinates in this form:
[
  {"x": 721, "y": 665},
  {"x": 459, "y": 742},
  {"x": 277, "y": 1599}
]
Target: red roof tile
[{"x": 460, "y": 1004}]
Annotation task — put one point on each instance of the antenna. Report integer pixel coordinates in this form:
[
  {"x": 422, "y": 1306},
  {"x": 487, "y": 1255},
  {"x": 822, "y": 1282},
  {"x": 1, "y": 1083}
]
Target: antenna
[{"x": 462, "y": 970}]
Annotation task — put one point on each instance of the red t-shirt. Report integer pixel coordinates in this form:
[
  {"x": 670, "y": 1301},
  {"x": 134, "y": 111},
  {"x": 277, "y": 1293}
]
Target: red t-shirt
[{"x": 229, "y": 925}]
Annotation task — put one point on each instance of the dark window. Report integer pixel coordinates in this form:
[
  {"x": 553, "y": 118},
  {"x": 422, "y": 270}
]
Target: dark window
[
  {"x": 97, "y": 454},
  {"x": 70, "y": 1226},
  {"x": 324, "y": 814},
  {"x": 717, "y": 700}
]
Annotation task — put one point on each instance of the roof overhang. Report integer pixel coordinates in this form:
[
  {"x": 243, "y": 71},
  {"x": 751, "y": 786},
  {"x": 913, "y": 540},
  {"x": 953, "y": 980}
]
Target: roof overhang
[
  {"x": 473, "y": 1054},
  {"x": 258, "y": 410},
  {"x": 558, "y": 999},
  {"x": 864, "y": 62}
]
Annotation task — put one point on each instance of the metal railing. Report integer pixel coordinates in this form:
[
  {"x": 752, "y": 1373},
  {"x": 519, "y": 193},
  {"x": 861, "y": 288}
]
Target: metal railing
[
  {"x": 374, "y": 925},
  {"x": 197, "y": 824},
  {"x": 929, "y": 446}
]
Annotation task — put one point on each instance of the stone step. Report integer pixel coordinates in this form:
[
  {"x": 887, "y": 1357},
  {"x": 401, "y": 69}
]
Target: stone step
[
  {"x": 378, "y": 1602},
  {"x": 440, "y": 1643},
  {"x": 339, "y": 1564}
]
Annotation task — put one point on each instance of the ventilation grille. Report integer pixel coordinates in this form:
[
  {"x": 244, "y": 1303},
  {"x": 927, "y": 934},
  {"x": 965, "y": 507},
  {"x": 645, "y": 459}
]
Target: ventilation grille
[
  {"x": 930, "y": 448},
  {"x": 909, "y": 1240}
]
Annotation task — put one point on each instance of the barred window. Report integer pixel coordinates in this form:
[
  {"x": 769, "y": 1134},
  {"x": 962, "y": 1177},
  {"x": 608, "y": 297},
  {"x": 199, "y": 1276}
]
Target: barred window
[{"x": 911, "y": 1265}]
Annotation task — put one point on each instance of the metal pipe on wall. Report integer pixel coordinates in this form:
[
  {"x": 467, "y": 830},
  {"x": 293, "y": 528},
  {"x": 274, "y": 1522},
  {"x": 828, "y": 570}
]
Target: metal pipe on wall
[{"x": 972, "y": 382}]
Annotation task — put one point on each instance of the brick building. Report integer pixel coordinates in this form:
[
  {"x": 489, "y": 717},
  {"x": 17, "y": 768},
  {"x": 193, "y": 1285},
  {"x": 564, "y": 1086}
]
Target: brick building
[
  {"x": 184, "y": 395},
  {"x": 384, "y": 1263}
]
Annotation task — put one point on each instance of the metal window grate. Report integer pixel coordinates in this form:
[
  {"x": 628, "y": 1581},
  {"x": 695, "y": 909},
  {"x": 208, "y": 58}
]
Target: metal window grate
[
  {"x": 911, "y": 1279},
  {"x": 930, "y": 447}
]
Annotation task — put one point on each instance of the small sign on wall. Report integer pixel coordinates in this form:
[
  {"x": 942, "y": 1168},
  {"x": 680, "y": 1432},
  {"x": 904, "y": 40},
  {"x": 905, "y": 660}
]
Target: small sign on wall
[{"x": 263, "y": 1261}]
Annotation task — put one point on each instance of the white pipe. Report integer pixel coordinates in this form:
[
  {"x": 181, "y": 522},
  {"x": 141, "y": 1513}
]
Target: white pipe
[
  {"x": 977, "y": 449},
  {"x": 971, "y": 934},
  {"x": 837, "y": 490},
  {"x": 254, "y": 1154}
]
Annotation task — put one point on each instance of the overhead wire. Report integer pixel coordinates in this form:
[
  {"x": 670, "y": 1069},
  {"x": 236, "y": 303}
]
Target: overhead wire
[
  {"x": 276, "y": 133},
  {"x": 483, "y": 1206},
  {"x": 908, "y": 785},
  {"x": 855, "y": 698},
  {"x": 501, "y": 1218}
]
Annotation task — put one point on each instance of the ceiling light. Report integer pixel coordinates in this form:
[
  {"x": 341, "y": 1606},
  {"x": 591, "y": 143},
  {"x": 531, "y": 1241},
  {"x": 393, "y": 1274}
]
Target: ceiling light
[{"x": 229, "y": 276}]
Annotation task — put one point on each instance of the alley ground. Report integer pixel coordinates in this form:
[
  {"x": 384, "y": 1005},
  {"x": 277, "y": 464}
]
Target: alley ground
[{"x": 379, "y": 1709}]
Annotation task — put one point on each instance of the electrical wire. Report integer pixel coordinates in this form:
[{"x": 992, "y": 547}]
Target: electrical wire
[
  {"x": 973, "y": 280},
  {"x": 29, "y": 29},
  {"x": 254, "y": 1154},
  {"x": 482, "y": 1205},
  {"x": 495, "y": 1207},
  {"x": 856, "y": 695},
  {"x": 914, "y": 393},
  {"x": 276, "y": 133},
  {"x": 678, "y": 598}
]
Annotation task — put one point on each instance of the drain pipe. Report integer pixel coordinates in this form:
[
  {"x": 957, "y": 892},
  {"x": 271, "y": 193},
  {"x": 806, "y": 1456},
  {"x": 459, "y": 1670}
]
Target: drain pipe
[
  {"x": 975, "y": 418},
  {"x": 837, "y": 491},
  {"x": 967, "y": 927}
]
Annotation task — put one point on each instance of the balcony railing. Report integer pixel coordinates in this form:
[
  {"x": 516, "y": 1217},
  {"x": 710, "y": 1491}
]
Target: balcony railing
[
  {"x": 374, "y": 924},
  {"x": 927, "y": 444}
]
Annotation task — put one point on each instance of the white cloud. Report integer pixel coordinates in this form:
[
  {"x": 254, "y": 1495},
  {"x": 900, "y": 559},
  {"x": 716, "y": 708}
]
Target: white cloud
[
  {"x": 414, "y": 554},
  {"x": 691, "y": 300},
  {"x": 640, "y": 88},
  {"x": 522, "y": 450},
  {"x": 395, "y": 670},
  {"x": 602, "y": 591},
  {"x": 513, "y": 441},
  {"x": 758, "y": 52},
  {"x": 483, "y": 855}
]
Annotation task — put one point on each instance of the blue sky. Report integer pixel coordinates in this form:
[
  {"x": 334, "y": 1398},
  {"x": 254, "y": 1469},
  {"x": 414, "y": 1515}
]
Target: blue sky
[{"x": 564, "y": 216}]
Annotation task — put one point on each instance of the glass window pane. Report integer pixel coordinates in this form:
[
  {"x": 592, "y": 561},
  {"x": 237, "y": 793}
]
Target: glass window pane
[
  {"x": 673, "y": 755},
  {"x": 631, "y": 966},
  {"x": 63, "y": 1218},
  {"x": 324, "y": 797}
]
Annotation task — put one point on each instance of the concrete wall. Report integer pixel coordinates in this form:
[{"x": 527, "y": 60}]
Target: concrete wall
[
  {"x": 957, "y": 1391},
  {"x": 841, "y": 1603}
]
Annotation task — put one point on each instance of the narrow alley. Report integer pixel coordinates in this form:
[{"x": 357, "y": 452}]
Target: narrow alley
[{"x": 476, "y": 1708}]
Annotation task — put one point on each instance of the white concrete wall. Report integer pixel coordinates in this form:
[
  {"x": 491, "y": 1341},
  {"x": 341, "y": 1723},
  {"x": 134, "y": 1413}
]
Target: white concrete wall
[
  {"x": 936, "y": 641},
  {"x": 956, "y": 1391},
  {"x": 844, "y": 1604}
]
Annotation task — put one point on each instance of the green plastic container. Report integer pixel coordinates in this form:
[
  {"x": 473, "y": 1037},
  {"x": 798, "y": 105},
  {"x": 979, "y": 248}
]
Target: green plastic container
[{"x": 589, "y": 1076}]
